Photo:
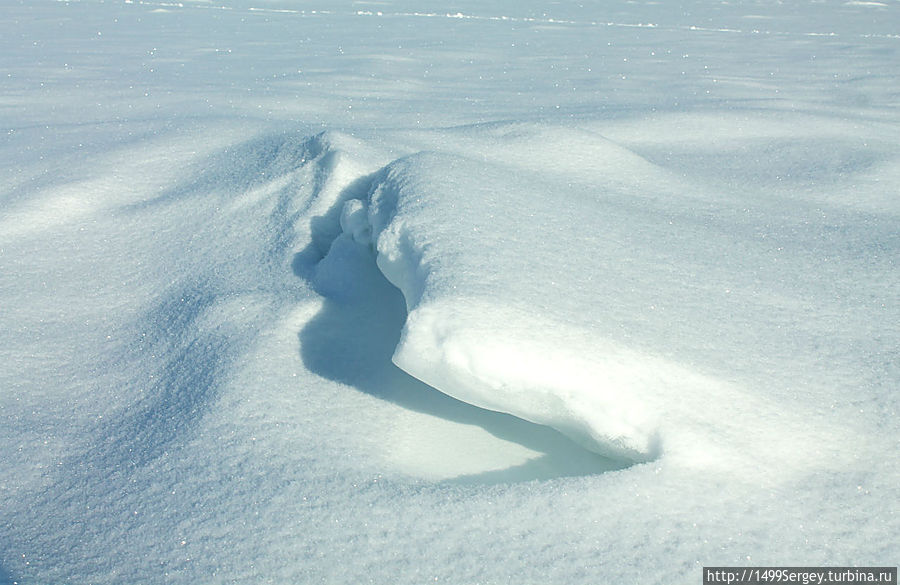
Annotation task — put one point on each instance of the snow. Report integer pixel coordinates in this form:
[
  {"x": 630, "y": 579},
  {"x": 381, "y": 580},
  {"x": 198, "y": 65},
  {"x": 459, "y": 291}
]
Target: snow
[{"x": 491, "y": 292}]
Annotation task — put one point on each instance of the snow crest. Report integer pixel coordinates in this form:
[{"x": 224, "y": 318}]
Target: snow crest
[
  {"x": 439, "y": 223},
  {"x": 553, "y": 274}
]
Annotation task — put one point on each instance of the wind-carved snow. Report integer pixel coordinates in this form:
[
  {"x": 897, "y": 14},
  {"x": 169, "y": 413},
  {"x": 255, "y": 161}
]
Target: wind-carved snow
[
  {"x": 472, "y": 331},
  {"x": 569, "y": 297},
  {"x": 442, "y": 227},
  {"x": 352, "y": 338}
]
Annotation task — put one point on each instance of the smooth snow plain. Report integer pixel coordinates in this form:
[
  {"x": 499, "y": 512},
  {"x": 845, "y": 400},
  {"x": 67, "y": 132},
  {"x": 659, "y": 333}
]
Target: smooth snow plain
[{"x": 460, "y": 292}]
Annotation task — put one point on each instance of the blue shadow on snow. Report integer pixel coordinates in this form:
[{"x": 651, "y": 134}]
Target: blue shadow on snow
[{"x": 352, "y": 339}]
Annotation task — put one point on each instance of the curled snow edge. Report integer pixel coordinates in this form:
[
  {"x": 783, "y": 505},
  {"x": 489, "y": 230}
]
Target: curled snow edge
[{"x": 481, "y": 347}]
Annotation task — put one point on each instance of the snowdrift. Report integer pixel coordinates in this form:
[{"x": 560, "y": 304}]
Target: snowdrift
[
  {"x": 446, "y": 230},
  {"x": 580, "y": 289}
]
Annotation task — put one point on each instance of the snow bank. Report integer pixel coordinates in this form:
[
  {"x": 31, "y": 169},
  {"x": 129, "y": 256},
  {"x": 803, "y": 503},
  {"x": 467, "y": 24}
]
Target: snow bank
[
  {"x": 554, "y": 275},
  {"x": 447, "y": 230}
]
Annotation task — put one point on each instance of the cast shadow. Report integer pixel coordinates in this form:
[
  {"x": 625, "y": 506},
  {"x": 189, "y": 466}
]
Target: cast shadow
[
  {"x": 6, "y": 578},
  {"x": 352, "y": 339}
]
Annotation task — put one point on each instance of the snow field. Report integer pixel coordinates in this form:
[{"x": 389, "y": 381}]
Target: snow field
[{"x": 248, "y": 251}]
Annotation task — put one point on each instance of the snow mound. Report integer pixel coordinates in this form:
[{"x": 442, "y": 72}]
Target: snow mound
[
  {"x": 592, "y": 286},
  {"x": 446, "y": 230}
]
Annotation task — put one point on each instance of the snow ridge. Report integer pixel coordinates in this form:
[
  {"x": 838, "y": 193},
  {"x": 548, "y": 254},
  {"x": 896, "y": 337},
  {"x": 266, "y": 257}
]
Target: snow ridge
[
  {"x": 474, "y": 346},
  {"x": 517, "y": 288}
]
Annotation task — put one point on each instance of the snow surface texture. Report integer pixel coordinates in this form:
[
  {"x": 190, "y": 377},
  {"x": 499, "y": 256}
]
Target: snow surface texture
[{"x": 475, "y": 293}]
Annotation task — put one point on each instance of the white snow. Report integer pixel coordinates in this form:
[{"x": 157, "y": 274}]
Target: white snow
[{"x": 469, "y": 292}]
